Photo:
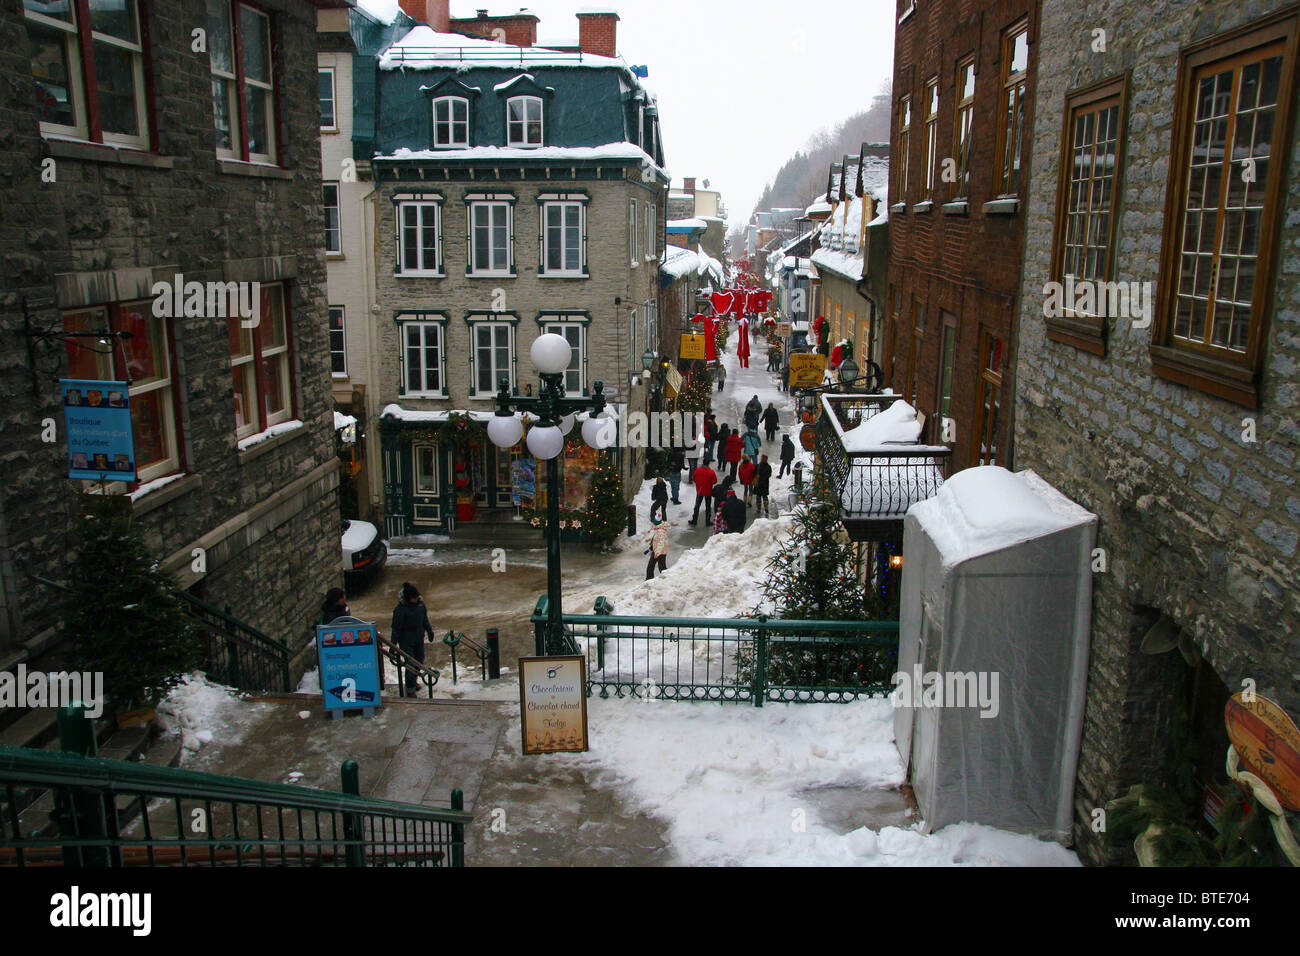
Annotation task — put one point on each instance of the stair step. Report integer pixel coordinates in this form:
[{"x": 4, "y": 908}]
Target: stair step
[{"x": 32, "y": 729}]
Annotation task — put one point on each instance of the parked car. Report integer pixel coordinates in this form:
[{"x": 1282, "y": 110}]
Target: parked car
[{"x": 364, "y": 553}]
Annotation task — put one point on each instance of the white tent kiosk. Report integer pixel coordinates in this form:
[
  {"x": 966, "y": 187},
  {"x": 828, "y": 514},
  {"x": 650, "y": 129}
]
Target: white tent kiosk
[{"x": 993, "y": 651}]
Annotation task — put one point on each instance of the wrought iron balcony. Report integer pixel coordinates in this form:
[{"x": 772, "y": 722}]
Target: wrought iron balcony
[{"x": 876, "y": 486}]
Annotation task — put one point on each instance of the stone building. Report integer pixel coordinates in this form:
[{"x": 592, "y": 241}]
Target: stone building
[
  {"x": 959, "y": 147},
  {"x": 1166, "y": 404},
  {"x": 128, "y": 161},
  {"x": 517, "y": 191}
]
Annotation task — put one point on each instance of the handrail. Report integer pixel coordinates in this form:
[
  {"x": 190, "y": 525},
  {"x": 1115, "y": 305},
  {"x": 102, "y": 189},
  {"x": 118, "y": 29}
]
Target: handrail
[
  {"x": 402, "y": 660},
  {"x": 728, "y": 623},
  {"x": 233, "y": 623},
  {"x": 275, "y": 655},
  {"x": 73, "y": 770}
]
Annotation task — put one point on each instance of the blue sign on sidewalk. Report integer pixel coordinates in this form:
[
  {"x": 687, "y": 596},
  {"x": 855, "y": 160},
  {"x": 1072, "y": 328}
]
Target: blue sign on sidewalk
[
  {"x": 349, "y": 665},
  {"x": 97, "y": 417}
]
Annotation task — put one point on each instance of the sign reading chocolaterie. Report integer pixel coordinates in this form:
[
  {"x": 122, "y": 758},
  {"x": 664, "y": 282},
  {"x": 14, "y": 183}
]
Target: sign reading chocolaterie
[{"x": 553, "y": 704}]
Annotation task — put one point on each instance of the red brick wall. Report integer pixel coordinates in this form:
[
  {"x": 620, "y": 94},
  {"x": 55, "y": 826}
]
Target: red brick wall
[
  {"x": 598, "y": 33},
  {"x": 519, "y": 30},
  {"x": 969, "y": 266}
]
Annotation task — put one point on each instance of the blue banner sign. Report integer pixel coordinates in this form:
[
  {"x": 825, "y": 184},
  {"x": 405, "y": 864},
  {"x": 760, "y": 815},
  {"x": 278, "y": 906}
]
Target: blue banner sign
[
  {"x": 97, "y": 418},
  {"x": 349, "y": 664}
]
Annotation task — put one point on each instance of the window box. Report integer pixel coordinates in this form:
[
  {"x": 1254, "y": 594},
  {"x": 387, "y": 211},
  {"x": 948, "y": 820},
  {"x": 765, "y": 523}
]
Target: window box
[
  {"x": 959, "y": 207},
  {"x": 1008, "y": 206},
  {"x": 923, "y": 207}
]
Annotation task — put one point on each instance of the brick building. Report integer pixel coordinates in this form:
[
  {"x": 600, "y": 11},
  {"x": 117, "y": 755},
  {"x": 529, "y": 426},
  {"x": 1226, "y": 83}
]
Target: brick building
[
  {"x": 1169, "y": 411},
  {"x": 963, "y": 110},
  {"x": 137, "y": 161}
]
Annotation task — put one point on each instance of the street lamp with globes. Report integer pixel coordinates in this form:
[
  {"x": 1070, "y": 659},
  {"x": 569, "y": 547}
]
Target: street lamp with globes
[{"x": 551, "y": 355}]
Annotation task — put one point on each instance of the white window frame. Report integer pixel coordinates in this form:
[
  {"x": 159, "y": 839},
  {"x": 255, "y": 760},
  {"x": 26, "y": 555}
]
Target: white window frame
[
  {"x": 575, "y": 376},
  {"x": 493, "y": 268},
  {"x": 487, "y": 322},
  {"x": 528, "y": 102},
  {"x": 77, "y": 93},
  {"x": 632, "y": 233},
  {"x": 337, "y": 206},
  {"x": 233, "y": 10},
  {"x": 423, "y": 209},
  {"x": 342, "y": 330},
  {"x": 333, "y": 98},
  {"x": 451, "y": 122},
  {"x": 424, "y": 322},
  {"x": 563, "y": 206},
  {"x": 651, "y": 221}
]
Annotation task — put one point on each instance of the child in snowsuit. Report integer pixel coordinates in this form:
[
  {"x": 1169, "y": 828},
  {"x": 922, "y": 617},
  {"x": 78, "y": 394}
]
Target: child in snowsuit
[{"x": 656, "y": 541}]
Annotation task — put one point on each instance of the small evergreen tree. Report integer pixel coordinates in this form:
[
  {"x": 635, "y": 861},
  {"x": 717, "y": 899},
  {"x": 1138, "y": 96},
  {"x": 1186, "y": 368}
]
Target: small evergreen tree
[
  {"x": 123, "y": 616},
  {"x": 606, "y": 515},
  {"x": 697, "y": 392}
]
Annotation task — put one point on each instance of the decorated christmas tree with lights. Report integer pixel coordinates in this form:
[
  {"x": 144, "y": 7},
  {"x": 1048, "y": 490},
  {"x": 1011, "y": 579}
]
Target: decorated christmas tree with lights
[
  {"x": 697, "y": 392},
  {"x": 606, "y": 507}
]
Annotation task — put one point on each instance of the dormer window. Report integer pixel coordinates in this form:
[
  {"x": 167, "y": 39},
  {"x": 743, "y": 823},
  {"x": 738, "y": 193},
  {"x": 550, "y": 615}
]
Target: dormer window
[
  {"x": 450, "y": 122},
  {"x": 524, "y": 121}
]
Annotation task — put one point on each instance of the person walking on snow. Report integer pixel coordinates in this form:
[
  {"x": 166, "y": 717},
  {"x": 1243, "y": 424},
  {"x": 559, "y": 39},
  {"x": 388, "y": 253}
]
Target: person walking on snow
[
  {"x": 710, "y": 436},
  {"x": 752, "y": 444},
  {"x": 753, "y": 412},
  {"x": 676, "y": 462},
  {"x": 704, "y": 479},
  {"x": 787, "y": 455},
  {"x": 721, "y": 376},
  {"x": 771, "y": 421},
  {"x": 747, "y": 472},
  {"x": 659, "y": 499},
  {"x": 656, "y": 541},
  {"x": 733, "y": 513},
  {"x": 719, "y": 499},
  {"x": 735, "y": 449},
  {"x": 723, "y": 434},
  {"x": 762, "y": 485},
  {"x": 410, "y": 624}
]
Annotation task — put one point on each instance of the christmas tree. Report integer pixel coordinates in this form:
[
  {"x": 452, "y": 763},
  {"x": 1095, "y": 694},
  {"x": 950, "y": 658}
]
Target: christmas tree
[
  {"x": 122, "y": 615},
  {"x": 697, "y": 392},
  {"x": 606, "y": 507}
]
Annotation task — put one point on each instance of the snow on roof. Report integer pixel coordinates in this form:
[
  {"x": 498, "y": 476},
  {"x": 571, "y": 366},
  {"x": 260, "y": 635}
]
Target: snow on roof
[
  {"x": 895, "y": 425},
  {"x": 522, "y": 76},
  {"x": 424, "y": 48},
  {"x": 597, "y": 9},
  {"x": 842, "y": 263},
  {"x": 343, "y": 421},
  {"x": 691, "y": 223},
  {"x": 987, "y": 508},
  {"x": 626, "y": 151},
  {"x": 559, "y": 42},
  {"x": 875, "y": 178},
  {"x": 385, "y": 11},
  {"x": 821, "y": 206}
]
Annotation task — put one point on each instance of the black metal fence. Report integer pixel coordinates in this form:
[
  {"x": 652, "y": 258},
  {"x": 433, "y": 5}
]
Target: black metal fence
[{"x": 236, "y": 654}]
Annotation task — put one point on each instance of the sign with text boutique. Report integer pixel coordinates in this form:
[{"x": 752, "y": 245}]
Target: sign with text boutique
[{"x": 553, "y": 704}]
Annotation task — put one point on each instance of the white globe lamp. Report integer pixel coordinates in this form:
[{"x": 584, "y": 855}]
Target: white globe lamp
[
  {"x": 505, "y": 431},
  {"x": 551, "y": 353},
  {"x": 566, "y": 423},
  {"x": 599, "y": 432},
  {"x": 545, "y": 442}
]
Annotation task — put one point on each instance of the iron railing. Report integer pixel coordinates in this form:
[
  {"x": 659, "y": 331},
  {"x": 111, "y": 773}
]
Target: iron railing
[
  {"x": 733, "y": 659},
  {"x": 64, "y": 809},
  {"x": 237, "y": 654},
  {"x": 875, "y": 487},
  {"x": 403, "y": 662},
  {"x": 505, "y": 56}
]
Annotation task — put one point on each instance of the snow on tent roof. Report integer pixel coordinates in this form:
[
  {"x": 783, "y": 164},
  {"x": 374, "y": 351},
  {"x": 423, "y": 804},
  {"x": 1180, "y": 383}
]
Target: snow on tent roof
[
  {"x": 895, "y": 425},
  {"x": 424, "y": 48},
  {"x": 987, "y": 508}
]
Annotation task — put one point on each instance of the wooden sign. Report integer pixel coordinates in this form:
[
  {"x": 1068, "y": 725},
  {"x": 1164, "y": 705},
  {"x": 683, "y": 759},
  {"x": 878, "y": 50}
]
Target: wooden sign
[
  {"x": 673, "y": 379},
  {"x": 692, "y": 346},
  {"x": 807, "y": 369},
  {"x": 785, "y": 329},
  {"x": 553, "y": 704},
  {"x": 1268, "y": 743}
]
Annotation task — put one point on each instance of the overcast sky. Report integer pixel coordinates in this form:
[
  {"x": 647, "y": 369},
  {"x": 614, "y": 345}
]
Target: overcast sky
[{"x": 741, "y": 85}]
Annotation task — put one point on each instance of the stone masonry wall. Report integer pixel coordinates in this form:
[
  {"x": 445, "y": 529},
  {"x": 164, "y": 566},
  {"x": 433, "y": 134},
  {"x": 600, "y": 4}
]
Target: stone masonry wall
[{"x": 1196, "y": 522}]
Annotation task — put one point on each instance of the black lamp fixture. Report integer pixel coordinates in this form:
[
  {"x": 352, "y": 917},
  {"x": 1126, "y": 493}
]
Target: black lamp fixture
[
  {"x": 848, "y": 371},
  {"x": 647, "y": 360}
]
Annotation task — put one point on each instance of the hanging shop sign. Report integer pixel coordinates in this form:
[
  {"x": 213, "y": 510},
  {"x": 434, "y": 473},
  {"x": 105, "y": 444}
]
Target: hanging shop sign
[
  {"x": 785, "y": 329},
  {"x": 693, "y": 346},
  {"x": 673, "y": 379},
  {"x": 807, "y": 369},
  {"x": 97, "y": 421},
  {"x": 553, "y": 704},
  {"x": 1268, "y": 743},
  {"x": 349, "y": 665}
]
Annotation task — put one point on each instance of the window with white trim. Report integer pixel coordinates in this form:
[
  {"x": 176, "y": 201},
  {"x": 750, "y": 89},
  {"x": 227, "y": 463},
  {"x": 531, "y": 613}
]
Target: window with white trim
[
  {"x": 573, "y": 333},
  {"x": 246, "y": 129},
  {"x": 493, "y": 348},
  {"x": 524, "y": 121},
  {"x": 563, "y": 238},
  {"x": 260, "y": 363},
  {"x": 490, "y": 250},
  {"x": 338, "y": 343},
  {"x": 419, "y": 239},
  {"x": 328, "y": 106},
  {"x": 631, "y": 231},
  {"x": 651, "y": 239},
  {"x": 84, "y": 55},
  {"x": 450, "y": 122},
  {"x": 423, "y": 356},
  {"x": 333, "y": 226}
]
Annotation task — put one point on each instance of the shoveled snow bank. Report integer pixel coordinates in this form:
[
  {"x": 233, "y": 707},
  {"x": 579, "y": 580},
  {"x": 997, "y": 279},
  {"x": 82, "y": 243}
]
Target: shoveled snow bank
[
  {"x": 728, "y": 781},
  {"x": 201, "y": 711}
]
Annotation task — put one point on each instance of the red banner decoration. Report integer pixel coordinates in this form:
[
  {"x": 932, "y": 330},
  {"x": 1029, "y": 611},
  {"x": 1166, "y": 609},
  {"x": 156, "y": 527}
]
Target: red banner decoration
[
  {"x": 710, "y": 338},
  {"x": 721, "y": 302},
  {"x": 742, "y": 342}
]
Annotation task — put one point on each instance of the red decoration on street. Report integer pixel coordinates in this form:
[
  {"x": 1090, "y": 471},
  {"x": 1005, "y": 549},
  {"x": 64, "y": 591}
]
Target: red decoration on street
[
  {"x": 710, "y": 338},
  {"x": 837, "y": 356},
  {"x": 721, "y": 302},
  {"x": 742, "y": 342}
]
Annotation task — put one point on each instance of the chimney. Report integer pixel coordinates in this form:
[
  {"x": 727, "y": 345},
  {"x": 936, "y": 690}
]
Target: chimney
[
  {"x": 433, "y": 13},
  {"x": 690, "y": 185},
  {"x": 598, "y": 32}
]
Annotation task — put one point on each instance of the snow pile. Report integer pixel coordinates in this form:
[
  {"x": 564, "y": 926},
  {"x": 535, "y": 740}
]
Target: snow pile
[
  {"x": 895, "y": 425},
  {"x": 729, "y": 781},
  {"x": 271, "y": 432},
  {"x": 201, "y": 711},
  {"x": 424, "y": 48}
]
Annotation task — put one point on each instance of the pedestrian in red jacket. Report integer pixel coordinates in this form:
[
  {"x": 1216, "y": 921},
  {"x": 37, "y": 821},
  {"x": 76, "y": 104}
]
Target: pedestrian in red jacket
[
  {"x": 735, "y": 451},
  {"x": 704, "y": 479},
  {"x": 747, "y": 472}
]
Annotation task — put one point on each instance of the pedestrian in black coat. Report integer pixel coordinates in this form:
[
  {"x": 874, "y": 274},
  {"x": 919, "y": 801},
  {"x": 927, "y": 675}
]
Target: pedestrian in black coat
[
  {"x": 410, "y": 624},
  {"x": 787, "y": 455},
  {"x": 659, "y": 499},
  {"x": 762, "y": 487},
  {"x": 771, "y": 421},
  {"x": 753, "y": 412},
  {"x": 334, "y": 606},
  {"x": 733, "y": 513}
]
